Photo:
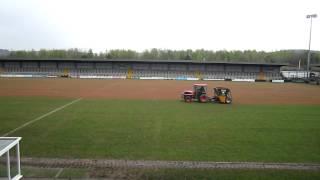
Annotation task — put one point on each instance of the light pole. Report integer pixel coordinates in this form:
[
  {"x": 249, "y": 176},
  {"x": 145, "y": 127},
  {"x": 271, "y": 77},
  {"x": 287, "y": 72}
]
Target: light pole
[{"x": 308, "y": 63}]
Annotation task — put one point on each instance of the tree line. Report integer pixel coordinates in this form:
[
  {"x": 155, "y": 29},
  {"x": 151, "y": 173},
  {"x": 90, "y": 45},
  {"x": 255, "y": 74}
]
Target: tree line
[{"x": 282, "y": 56}]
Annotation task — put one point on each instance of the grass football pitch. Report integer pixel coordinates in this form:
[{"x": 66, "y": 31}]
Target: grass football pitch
[{"x": 163, "y": 130}]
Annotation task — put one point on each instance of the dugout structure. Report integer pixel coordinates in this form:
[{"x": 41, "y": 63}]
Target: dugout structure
[{"x": 7, "y": 144}]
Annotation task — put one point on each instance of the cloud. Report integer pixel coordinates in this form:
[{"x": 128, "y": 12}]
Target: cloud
[{"x": 142, "y": 24}]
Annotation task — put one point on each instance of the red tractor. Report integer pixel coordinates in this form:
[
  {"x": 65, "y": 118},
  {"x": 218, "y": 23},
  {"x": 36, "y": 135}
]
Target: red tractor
[{"x": 199, "y": 93}]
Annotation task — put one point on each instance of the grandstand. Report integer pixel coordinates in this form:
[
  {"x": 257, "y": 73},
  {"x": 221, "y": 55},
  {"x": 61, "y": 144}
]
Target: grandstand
[
  {"x": 296, "y": 73},
  {"x": 140, "y": 69}
]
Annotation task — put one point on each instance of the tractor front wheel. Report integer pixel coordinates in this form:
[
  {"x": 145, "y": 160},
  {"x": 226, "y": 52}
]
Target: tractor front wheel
[{"x": 188, "y": 99}]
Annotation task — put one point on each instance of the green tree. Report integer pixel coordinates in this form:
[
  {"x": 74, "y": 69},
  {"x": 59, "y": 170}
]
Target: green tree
[{"x": 90, "y": 53}]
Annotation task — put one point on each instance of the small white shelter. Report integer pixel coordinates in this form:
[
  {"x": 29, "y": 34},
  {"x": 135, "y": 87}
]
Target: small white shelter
[{"x": 6, "y": 144}]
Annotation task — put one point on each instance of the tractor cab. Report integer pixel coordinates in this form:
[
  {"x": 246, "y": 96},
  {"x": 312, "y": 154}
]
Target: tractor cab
[
  {"x": 199, "y": 90},
  {"x": 222, "y": 95},
  {"x": 199, "y": 93}
]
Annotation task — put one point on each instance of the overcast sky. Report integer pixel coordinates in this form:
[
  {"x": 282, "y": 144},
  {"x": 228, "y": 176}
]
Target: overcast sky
[{"x": 267, "y": 25}]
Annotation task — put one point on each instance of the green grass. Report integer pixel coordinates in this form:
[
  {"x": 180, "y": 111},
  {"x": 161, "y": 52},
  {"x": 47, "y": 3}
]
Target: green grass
[
  {"x": 74, "y": 173},
  {"x": 229, "y": 174},
  {"x": 167, "y": 130},
  {"x": 37, "y": 172},
  {"x": 15, "y": 111},
  {"x": 111, "y": 173},
  {"x": 29, "y": 172}
]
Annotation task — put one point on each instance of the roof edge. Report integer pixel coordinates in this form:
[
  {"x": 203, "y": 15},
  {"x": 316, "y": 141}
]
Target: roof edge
[{"x": 140, "y": 61}]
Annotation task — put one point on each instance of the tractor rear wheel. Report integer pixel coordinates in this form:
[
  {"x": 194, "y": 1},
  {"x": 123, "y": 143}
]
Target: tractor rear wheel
[{"x": 203, "y": 98}]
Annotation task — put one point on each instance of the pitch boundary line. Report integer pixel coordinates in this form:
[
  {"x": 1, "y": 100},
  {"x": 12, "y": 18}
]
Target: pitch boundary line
[
  {"x": 58, "y": 173},
  {"x": 41, "y": 117}
]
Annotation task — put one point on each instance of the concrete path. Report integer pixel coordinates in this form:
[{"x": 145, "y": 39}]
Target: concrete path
[{"x": 104, "y": 163}]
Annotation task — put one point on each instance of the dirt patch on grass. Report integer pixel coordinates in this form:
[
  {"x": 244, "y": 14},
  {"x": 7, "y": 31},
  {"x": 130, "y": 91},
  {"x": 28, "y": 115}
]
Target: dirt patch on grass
[{"x": 243, "y": 93}]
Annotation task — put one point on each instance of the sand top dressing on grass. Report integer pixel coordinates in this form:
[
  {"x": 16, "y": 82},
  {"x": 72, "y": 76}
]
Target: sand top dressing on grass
[{"x": 243, "y": 93}]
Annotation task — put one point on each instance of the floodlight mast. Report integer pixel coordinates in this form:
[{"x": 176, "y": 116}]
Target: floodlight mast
[{"x": 310, "y": 16}]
